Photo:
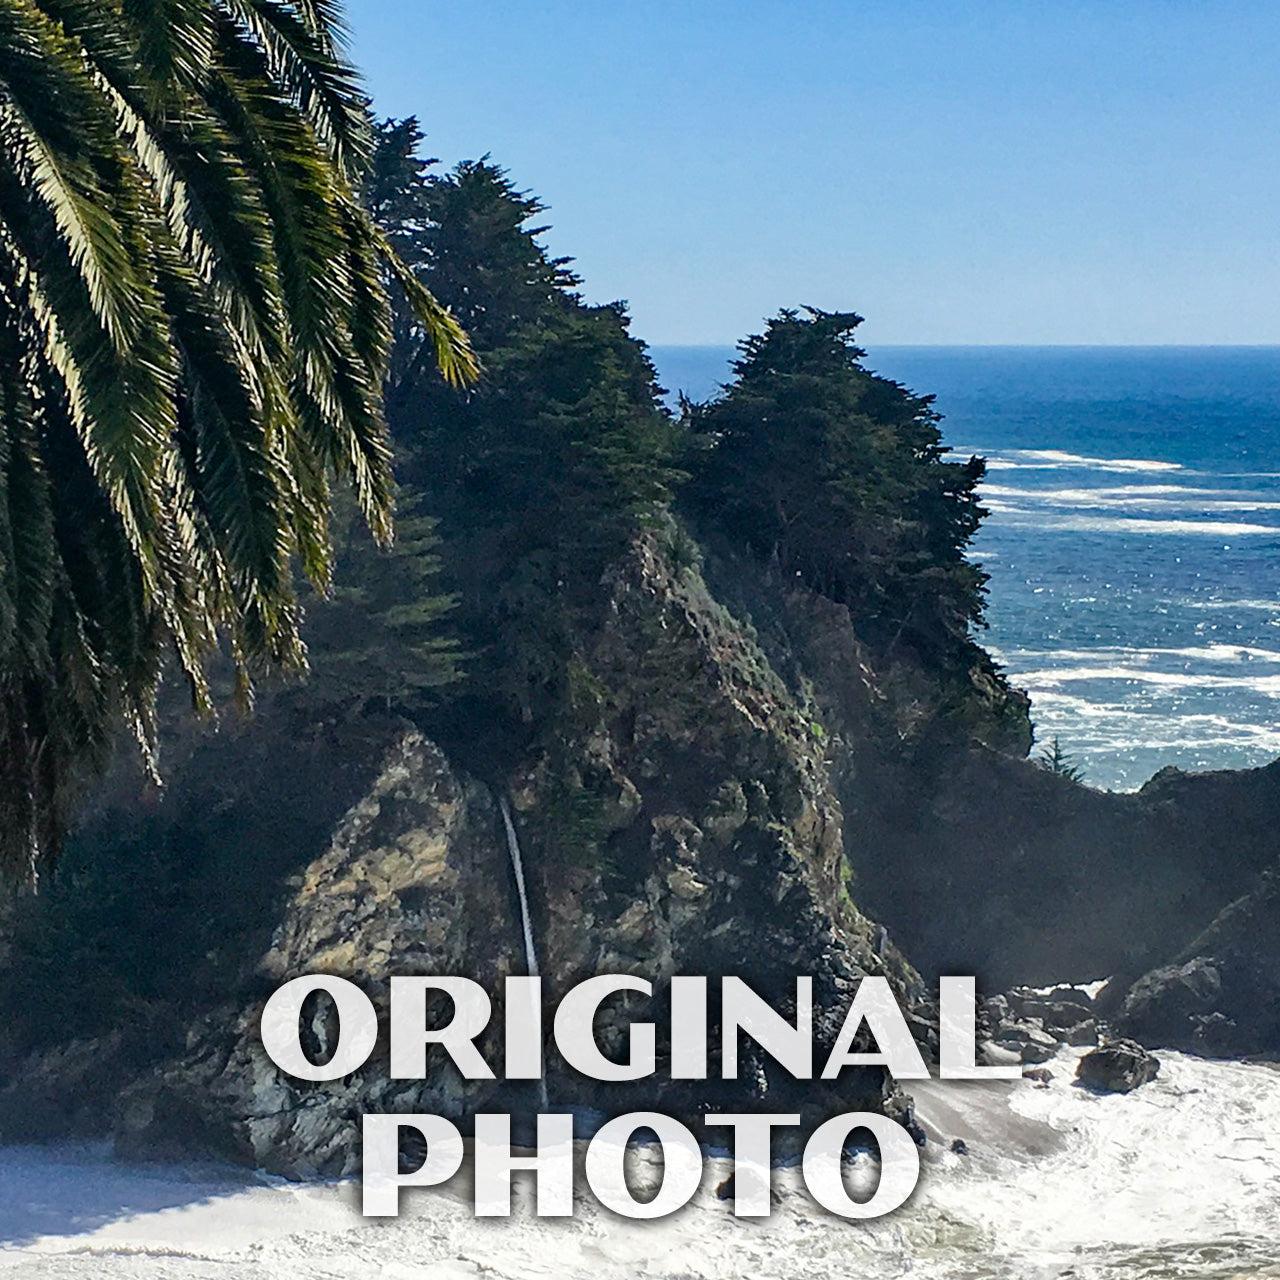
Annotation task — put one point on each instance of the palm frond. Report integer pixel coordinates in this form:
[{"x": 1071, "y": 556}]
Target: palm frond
[{"x": 194, "y": 333}]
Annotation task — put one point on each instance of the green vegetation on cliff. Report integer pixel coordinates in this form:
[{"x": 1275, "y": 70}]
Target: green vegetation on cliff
[
  {"x": 542, "y": 472},
  {"x": 841, "y": 477}
]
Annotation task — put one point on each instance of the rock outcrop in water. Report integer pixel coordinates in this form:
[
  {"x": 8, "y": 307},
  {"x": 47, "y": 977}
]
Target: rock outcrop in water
[
  {"x": 1034, "y": 1025},
  {"x": 1219, "y": 996},
  {"x": 1119, "y": 1066}
]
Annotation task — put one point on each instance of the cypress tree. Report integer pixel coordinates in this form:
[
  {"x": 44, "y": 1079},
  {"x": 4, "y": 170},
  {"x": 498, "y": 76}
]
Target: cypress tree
[{"x": 840, "y": 476}]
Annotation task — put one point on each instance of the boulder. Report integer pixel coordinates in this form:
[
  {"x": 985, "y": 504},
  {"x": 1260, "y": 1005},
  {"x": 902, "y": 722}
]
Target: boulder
[
  {"x": 1220, "y": 997},
  {"x": 1082, "y": 1034},
  {"x": 1028, "y": 1039},
  {"x": 996, "y": 1009},
  {"x": 1059, "y": 1009},
  {"x": 1120, "y": 1066},
  {"x": 1165, "y": 1006}
]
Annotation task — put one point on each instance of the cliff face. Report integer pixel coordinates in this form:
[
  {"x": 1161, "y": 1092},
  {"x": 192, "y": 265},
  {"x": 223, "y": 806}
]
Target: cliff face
[
  {"x": 1047, "y": 879},
  {"x": 1219, "y": 995},
  {"x": 414, "y": 880},
  {"x": 682, "y": 819},
  {"x": 732, "y": 783}
]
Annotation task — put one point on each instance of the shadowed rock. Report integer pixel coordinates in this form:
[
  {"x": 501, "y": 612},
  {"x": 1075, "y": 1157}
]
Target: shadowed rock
[{"x": 1118, "y": 1067}]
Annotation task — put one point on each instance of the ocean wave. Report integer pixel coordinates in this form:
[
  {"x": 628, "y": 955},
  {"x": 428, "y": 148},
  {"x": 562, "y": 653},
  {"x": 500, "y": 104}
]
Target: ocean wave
[
  {"x": 1099, "y": 726},
  {"x": 1048, "y": 677},
  {"x": 1141, "y": 497},
  {"x": 1059, "y": 460},
  {"x": 1264, "y": 606},
  {"x": 1164, "y": 718},
  {"x": 1020, "y": 518},
  {"x": 1213, "y": 653},
  {"x": 1102, "y": 490}
]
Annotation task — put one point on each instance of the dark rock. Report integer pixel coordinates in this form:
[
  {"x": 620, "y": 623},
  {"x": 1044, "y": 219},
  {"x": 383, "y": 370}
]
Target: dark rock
[
  {"x": 960, "y": 1147},
  {"x": 1120, "y": 1066},
  {"x": 996, "y": 1009},
  {"x": 415, "y": 881},
  {"x": 1164, "y": 1006},
  {"x": 1058, "y": 1015},
  {"x": 1043, "y": 876},
  {"x": 1077, "y": 996},
  {"x": 1082, "y": 1034},
  {"x": 62, "y": 1089},
  {"x": 1041, "y": 1075},
  {"x": 1028, "y": 1038},
  {"x": 1221, "y": 996}
]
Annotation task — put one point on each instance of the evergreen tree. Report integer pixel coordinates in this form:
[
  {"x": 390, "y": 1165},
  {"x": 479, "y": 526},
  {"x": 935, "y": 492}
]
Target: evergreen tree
[
  {"x": 382, "y": 637},
  {"x": 1054, "y": 759},
  {"x": 542, "y": 471},
  {"x": 841, "y": 477}
]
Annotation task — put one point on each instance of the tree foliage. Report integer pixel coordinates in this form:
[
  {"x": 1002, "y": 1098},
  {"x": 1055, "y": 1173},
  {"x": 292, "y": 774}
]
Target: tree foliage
[
  {"x": 382, "y": 638},
  {"x": 543, "y": 470},
  {"x": 193, "y": 337},
  {"x": 840, "y": 477},
  {"x": 1055, "y": 759}
]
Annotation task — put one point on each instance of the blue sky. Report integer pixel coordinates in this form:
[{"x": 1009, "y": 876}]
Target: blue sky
[{"x": 980, "y": 172}]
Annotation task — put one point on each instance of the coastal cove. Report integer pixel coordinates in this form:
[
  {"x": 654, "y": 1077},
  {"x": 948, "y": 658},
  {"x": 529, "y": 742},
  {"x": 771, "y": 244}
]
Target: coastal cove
[
  {"x": 656, "y": 717},
  {"x": 488, "y": 793}
]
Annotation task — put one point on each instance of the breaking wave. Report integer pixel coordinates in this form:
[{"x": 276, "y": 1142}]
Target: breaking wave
[
  {"x": 1020, "y": 518},
  {"x": 1139, "y": 497},
  {"x": 1174, "y": 1181},
  {"x": 1059, "y": 460}
]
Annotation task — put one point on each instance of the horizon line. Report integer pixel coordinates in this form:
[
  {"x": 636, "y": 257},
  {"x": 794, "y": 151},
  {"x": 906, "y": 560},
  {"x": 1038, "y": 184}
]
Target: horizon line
[{"x": 1015, "y": 346}]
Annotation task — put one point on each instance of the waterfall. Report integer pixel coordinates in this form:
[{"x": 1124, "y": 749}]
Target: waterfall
[{"x": 530, "y": 951}]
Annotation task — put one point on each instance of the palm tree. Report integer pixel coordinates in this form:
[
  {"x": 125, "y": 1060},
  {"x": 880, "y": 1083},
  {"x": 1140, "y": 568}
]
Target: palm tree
[{"x": 193, "y": 336}]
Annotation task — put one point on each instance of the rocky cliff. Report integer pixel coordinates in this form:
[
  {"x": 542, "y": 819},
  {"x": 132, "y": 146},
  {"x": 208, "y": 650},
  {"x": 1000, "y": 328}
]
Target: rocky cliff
[
  {"x": 1047, "y": 879},
  {"x": 682, "y": 818},
  {"x": 732, "y": 783},
  {"x": 1219, "y": 995}
]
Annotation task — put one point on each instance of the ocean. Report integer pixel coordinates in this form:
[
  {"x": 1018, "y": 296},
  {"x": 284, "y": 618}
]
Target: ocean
[
  {"x": 1133, "y": 540},
  {"x": 1177, "y": 1181}
]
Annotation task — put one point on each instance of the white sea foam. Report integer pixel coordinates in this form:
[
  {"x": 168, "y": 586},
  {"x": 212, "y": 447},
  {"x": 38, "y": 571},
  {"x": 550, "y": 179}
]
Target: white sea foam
[
  {"x": 1145, "y": 1184},
  {"x": 1015, "y": 517},
  {"x": 1132, "y": 497},
  {"x": 1048, "y": 676},
  {"x": 1264, "y": 606},
  {"x": 1158, "y": 723},
  {"x": 1101, "y": 492},
  {"x": 1059, "y": 460},
  {"x": 1176, "y": 1180},
  {"x": 1211, "y": 653}
]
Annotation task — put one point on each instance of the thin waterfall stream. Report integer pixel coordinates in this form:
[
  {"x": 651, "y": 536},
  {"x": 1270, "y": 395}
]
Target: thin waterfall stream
[{"x": 530, "y": 950}]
